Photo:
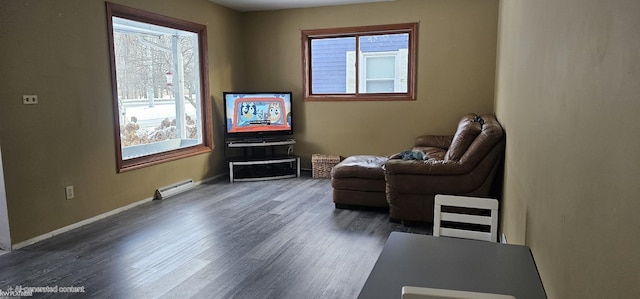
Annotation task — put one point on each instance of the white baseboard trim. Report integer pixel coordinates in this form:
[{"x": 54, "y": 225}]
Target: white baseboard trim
[
  {"x": 78, "y": 224},
  {"x": 93, "y": 219}
]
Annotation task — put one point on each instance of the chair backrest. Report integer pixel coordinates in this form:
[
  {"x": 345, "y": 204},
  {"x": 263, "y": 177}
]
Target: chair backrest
[
  {"x": 468, "y": 130},
  {"x": 475, "y": 137},
  {"x": 490, "y": 136},
  {"x": 469, "y": 217}
]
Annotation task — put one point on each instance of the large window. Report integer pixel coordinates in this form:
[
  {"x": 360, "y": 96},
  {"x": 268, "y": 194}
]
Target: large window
[
  {"x": 360, "y": 63},
  {"x": 160, "y": 87}
]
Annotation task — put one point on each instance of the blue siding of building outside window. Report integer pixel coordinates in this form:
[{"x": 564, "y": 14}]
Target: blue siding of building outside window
[{"x": 329, "y": 58}]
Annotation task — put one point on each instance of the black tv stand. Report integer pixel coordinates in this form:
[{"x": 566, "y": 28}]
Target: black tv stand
[
  {"x": 261, "y": 160},
  {"x": 260, "y": 142}
]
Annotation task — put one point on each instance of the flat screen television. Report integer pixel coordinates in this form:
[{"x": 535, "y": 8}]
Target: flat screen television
[{"x": 251, "y": 115}]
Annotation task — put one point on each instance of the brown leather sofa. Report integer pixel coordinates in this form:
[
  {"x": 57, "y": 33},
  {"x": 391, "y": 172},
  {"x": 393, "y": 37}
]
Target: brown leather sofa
[{"x": 463, "y": 164}]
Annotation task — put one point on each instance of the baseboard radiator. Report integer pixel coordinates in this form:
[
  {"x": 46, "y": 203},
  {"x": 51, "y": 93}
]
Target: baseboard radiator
[{"x": 174, "y": 189}]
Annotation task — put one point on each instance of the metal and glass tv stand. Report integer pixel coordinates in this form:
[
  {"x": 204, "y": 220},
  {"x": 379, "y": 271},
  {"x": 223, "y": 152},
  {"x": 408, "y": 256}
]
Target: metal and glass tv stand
[{"x": 263, "y": 159}]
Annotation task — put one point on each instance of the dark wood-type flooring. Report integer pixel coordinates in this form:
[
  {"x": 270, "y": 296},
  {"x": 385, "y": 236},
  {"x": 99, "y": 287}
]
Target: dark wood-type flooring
[{"x": 268, "y": 239}]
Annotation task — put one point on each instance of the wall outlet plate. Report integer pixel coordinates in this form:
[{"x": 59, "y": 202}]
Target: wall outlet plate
[{"x": 29, "y": 99}]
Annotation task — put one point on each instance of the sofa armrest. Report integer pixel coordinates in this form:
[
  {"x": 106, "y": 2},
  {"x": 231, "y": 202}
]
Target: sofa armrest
[
  {"x": 425, "y": 167},
  {"x": 441, "y": 141},
  {"x": 430, "y": 177}
]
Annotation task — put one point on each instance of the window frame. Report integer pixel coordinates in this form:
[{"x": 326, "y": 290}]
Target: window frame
[
  {"x": 308, "y": 35},
  {"x": 121, "y": 11}
]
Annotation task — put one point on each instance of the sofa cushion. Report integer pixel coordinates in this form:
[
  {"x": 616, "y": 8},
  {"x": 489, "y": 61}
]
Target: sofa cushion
[
  {"x": 359, "y": 180},
  {"x": 366, "y": 167},
  {"x": 468, "y": 129}
]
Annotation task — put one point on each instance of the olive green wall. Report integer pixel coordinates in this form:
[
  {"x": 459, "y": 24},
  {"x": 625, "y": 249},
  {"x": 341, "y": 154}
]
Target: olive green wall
[
  {"x": 568, "y": 96},
  {"x": 456, "y": 72},
  {"x": 58, "y": 49}
]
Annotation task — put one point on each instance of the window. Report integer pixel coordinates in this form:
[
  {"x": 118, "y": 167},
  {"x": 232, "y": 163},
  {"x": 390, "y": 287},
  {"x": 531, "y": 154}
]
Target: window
[
  {"x": 360, "y": 63},
  {"x": 160, "y": 87}
]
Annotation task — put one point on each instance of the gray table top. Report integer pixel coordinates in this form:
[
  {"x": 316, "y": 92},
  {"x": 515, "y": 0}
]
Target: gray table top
[{"x": 456, "y": 264}]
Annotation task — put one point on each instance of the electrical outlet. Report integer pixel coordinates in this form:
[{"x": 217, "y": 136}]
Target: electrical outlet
[
  {"x": 69, "y": 192},
  {"x": 30, "y": 99}
]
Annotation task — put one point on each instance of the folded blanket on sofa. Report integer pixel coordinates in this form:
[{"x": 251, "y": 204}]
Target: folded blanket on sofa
[{"x": 412, "y": 155}]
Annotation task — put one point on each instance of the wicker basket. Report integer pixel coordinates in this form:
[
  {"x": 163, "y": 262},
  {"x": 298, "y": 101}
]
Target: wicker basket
[{"x": 322, "y": 165}]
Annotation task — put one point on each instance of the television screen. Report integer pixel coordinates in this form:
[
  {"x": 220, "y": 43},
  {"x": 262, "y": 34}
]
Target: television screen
[{"x": 257, "y": 113}]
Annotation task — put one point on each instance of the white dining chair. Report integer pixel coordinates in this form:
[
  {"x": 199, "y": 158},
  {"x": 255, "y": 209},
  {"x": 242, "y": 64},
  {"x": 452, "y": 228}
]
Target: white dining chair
[{"x": 465, "y": 230}]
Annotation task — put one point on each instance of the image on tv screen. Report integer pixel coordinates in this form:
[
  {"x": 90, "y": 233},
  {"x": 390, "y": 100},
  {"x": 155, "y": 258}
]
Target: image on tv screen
[{"x": 259, "y": 112}]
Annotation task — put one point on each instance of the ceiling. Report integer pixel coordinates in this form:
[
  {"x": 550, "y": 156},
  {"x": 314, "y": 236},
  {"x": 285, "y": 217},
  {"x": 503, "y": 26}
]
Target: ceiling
[{"x": 256, "y": 5}]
